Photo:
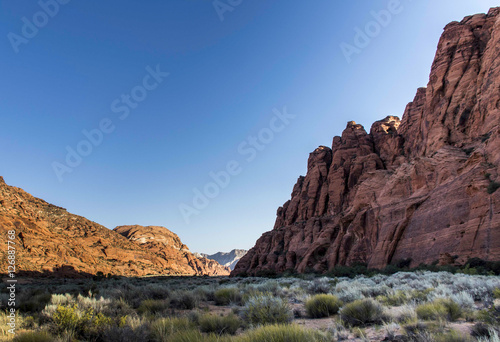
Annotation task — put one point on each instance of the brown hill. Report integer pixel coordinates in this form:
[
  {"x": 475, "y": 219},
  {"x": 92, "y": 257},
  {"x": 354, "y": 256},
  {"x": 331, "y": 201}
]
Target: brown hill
[
  {"x": 420, "y": 189},
  {"x": 163, "y": 242},
  {"x": 51, "y": 241}
]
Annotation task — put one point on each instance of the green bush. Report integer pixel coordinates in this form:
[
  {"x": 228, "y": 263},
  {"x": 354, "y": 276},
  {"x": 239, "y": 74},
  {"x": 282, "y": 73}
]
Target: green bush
[
  {"x": 219, "y": 324},
  {"x": 67, "y": 318},
  {"x": 323, "y": 305},
  {"x": 283, "y": 333},
  {"x": 496, "y": 293},
  {"x": 227, "y": 295},
  {"x": 361, "y": 312},
  {"x": 266, "y": 309},
  {"x": 34, "y": 336},
  {"x": 439, "y": 309},
  {"x": 493, "y": 186},
  {"x": 152, "y": 306}
]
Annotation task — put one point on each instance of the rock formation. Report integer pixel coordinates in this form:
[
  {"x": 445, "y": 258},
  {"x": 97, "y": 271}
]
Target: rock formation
[
  {"x": 226, "y": 259},
  {"x": 51, "y": 241},
  {"x": 163, "y": 242},
  {"x": 421, "y": 188}
]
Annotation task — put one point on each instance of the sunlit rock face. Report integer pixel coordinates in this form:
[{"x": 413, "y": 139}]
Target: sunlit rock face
[
  {"x": 50, "y": 241},
  {"x": 419, "y": 188}
]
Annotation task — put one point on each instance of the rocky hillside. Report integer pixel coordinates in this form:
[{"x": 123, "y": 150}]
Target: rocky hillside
[
  {"x": 52, "y": 241},
  {"x": 422, "y": 188},
  {"x": 226, "y": 259},
  {"x": 163, "y": 242}
]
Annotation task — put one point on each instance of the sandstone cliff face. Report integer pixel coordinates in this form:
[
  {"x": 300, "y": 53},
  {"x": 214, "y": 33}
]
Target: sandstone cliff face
[
  {"x": 51, "y": 241},
  {"x": 415, "y": 188}
]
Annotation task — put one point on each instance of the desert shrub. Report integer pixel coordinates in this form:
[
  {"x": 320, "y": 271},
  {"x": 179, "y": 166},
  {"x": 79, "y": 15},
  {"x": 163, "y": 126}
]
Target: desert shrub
[
  {"x": 452, "y": 336},
  {"x": 153, "y": 306},
  {"x": 320, "y": 285},
  {"x": 493, "y": 186},
  {"x": 349, "y": 294},
  {"x": 227, "y": 295},
  {"x": 184, "y": 300},
  {"x": 422, "y": 331},
  {"x": 83, "y": 323},
  {"x": 490, "y": 315},
  {"x": 67, "y": 318},
  {"x": 283, "y": 333},
  {"x": 464, "y": 300},
  {"x": 404, "y": 314},
  {"x": 323, "y": 305},
  {"x": 421, "y": 296},
  {"x": 219, "y": 324},
  {"x": 34, "y": 336},
  {"x": 163, "y": 328},
  {"x": 156, "y": 291},
  {"x": 361, "y": 312},
  {"x": 396, "y": 299},
  {"x": 481, "y": 330},
  {"x": 35, "y": 303},
  {"x": 266, "y": 309},
  {"x": 391, "y": 330},
  {"x": 496, "y": 293},
  {"x": 118, "y": 308},
  {"x": 124, "y": 334},
  {"x": 439, "y": 309},
  {"x": 493, "y": 337}
]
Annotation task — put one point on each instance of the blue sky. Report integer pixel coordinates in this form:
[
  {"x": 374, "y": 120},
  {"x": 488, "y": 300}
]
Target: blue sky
[{"x": 226, "y": 79}]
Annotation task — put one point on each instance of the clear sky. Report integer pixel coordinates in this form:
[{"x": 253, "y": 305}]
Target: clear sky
[{"x": 84, "y": 66}]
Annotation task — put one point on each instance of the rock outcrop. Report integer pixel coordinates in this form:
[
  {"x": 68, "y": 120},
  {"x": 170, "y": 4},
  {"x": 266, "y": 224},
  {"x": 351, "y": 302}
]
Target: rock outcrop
[
  {"x": 229, "y": 259},
  {"x": 163, "y": 242},
  {"x": 51, "y": 241},
  {"x": 422, "y": 188}
]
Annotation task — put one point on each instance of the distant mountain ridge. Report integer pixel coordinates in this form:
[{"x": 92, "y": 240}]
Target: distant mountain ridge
[{"x": 229, "y": 259}]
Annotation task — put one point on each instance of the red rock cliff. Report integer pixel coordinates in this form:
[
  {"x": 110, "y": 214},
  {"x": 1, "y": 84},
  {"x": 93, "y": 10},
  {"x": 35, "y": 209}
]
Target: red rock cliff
[{"x": 417, "y": 188}]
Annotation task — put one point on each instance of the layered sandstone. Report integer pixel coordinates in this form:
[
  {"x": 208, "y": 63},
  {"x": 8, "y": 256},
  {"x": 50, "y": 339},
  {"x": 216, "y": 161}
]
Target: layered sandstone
[
  {"x": 51, "y": 241},
  {"x": 411, "y": 189}
]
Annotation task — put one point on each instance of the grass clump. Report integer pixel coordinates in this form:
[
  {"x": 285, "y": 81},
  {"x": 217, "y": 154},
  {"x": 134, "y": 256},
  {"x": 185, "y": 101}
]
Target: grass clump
[
  {"x": 162, "y": 329},
  {"x": 283, "y": 333},
  {"x": 153, "y": 306},
  {"x": 266, "y": 309},
  {"x": 219, "y": 324},
  {"x": 227, "y": 295},
  {"x": 361, "y": 312},
  {"x": 452, "y": 336},
  {"x": 323, "y": 305},
  {"x": 34, "y": 336},
  {"x": 439, "y": 309}
]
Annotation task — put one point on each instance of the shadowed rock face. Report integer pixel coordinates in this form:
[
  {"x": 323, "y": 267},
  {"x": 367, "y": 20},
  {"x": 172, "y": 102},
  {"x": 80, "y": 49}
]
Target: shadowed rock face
[
  {"x": 415, "y": 188},
  {"x": 51, "y": 241}
]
